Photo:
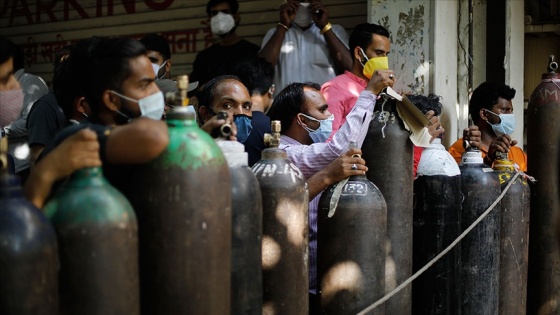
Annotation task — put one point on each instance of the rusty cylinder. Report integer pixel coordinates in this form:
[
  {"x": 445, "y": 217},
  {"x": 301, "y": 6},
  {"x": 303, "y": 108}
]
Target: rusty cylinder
[
  {"x": 543, "y": 140},
  {"x": 28, "y": 254},
  {"x": 514, "y": 237},
  {"x": 98, "y": 246},
  {"x": 351, "y": 240},
  {"x": 285, "y": 232},
  {"x": 183, "y": 203},
  {"x": 246, "y": 217},
  {"x": 387, "y": 150},
  {"x": 437, "y": 214},
  {"x": 480, "y": 249}
]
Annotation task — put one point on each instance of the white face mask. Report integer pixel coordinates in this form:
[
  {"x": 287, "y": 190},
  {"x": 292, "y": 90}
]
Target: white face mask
[
  {"x": 157, "y": 69},
  {"x": 303, "y": 16},
  {"x": 506, "y": 126},
  {"x": 150, "y": 106},
  {"x": 222, "y": 23},
  {"x": 322, "y": 133}
]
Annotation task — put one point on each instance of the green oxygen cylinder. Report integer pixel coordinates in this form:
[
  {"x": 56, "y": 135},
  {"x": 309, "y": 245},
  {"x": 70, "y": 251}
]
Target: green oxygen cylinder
[
  {"x": 98, "y": 246},
  {"x": 28, "y": 251},
  {"x": 183, "y": 203}
]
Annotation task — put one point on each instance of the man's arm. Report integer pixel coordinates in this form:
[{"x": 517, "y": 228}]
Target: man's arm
[
  {"x": 333, "y": 36},
  {"x": 77, "y": 151},
  {"x": 336, "y": 171},
  {"x": 272, "y": 42},
  {"x": 137, "y": 142}
]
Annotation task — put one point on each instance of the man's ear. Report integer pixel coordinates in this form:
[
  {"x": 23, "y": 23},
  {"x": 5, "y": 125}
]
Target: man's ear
[
  {"x": 81, "y": 105},
  {"x": 168, "y": 66},
  {"x": 110, "y": 100},
  {"x": 483, "y": 114},
  {"x": 237, "y": 18},
  {"x": 358, "y": 53},
  {"x": 204, "y": 114}
]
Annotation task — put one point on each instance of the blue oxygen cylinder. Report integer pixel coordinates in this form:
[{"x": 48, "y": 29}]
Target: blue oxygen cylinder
[
  {"x": 285, "y": 231},
  {"x": 480, "y": 249},
  {"x": 351, "y": 237},
  {"x": 246, "y": 217},
  {"x": 28, "y": 251},
  {"x": 437, "y": 214}
]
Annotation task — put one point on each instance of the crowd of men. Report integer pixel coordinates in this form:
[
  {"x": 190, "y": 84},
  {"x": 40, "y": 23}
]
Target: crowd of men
[{"x": 106, "y": 105}]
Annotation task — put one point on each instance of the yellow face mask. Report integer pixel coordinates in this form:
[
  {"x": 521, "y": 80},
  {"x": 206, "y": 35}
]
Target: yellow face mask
[{"x": 373, "y": 64}]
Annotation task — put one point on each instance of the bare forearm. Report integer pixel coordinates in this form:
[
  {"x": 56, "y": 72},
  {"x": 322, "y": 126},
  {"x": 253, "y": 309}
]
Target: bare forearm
[
  {"x": 271, "y": 50},
  {"x": 137, "y": 142},
  {"x": 339, "y": 53},
  {"x": 37, "y": 187},
  {"x": 317, "y": 183}
]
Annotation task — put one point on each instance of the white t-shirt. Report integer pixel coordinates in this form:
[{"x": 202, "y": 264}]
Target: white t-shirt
[{"x": 304, "y": 56}]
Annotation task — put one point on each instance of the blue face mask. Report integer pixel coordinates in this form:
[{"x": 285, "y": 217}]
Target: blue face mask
[
  {"x": 322, "y": 133},
  {"x": 244, "y": 127},
  {"x": 506, "y": 126}
]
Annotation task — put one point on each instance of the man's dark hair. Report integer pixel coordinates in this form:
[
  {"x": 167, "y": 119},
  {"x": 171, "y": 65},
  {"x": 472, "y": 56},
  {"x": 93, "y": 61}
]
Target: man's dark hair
[
  {"x": 486, "y": 95},
  {"x": 233, "y": 5},
  {"x": 208, "y": 92},
  {"x": 157, "y": 43},
  {"x": 362, "y": 35},
  {"x": 427, "y": 103},
  {"x": 102, "y": 63},
  {"x": 7, "y": 50},
  {"x": 289, "y": 103},
  {"x": 256, "y": 74}
]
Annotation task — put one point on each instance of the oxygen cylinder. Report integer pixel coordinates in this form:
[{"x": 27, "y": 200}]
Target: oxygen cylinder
[
  {"x": 387, "y": 150},
  {"x": 98, "y": 236},
  {"x": 543, "y": 138},
  {"x": 514, "y": 236},
  {"x": 246, "y": 217},
  {"x": 183, "y": 203},
  {"x": 351, "y": 238},
  {"x": 437, "y": 212},
  {"x": 480, "y": 249},
  {"x": 285, "y": 231},
  {"x": 28, "y": 251}
]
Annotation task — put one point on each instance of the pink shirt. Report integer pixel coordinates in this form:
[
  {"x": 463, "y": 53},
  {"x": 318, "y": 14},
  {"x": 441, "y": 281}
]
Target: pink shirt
[{"x": 341, "y": 94}]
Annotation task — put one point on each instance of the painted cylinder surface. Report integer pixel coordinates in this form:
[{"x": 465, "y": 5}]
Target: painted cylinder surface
[
  {"x": 543, "y": 139},
  {"x": 98, "y": 246},
  {"x": 183, "y": 203},
  {"x": 480, "y": 249},
  {"x": 387, "y": 150},
  {"x": 28, "y": 255},
  {"x": 351, "y": 248},
  {"x": 514, "y": 237},
  {"x": 246, "y": 242},
  {"x": 285, "y": 234},
  {"x": 437, "y": 223}
]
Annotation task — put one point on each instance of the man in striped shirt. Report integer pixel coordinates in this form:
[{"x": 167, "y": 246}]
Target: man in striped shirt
[{"x": 305, "y": 120}]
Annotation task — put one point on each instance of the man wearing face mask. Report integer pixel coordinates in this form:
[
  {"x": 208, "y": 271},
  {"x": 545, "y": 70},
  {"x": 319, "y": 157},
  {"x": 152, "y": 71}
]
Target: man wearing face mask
[
  {"x": 229, "y": 50},
  {"x": 369, "y": 45},
  {"x": 304, "y": 46},
  {"x": 227, "y": 93},
  {"x": 491, "y": 110},
  {"x": 126, "y": 105},
  {"x": 306, "y": 124}
]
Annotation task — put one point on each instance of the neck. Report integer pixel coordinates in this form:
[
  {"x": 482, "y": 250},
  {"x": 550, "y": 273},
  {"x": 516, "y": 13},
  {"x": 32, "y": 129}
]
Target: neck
[
  {"x": 486, "y": 134},
  {"x": 229, "y": 39},
  {"x": 258, "y": 103},
  {"x": 299, "y": 134},
  {"x": 358, "y": 70}
]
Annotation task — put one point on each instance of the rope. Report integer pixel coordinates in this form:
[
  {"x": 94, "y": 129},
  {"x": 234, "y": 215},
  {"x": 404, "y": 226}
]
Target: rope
[{"x": 445, "y": 251}]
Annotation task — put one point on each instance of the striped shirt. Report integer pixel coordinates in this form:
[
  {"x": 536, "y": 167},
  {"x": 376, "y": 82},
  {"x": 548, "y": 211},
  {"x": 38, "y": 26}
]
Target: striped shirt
[{"x": 312, "y": 158}]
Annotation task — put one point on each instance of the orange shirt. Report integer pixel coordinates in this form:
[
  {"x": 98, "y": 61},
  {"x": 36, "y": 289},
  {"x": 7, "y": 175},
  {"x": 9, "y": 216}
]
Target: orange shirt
[{"x": 515, "y": 154}]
